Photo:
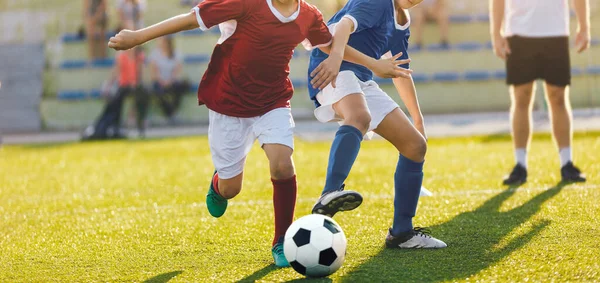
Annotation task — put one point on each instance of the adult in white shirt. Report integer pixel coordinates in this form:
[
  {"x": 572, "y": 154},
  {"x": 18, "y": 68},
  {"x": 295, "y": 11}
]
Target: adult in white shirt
[
  {"x": 166, "y": 69},
  {"x": 532, "y": 36},
  {"x": 131, "y": 13}
]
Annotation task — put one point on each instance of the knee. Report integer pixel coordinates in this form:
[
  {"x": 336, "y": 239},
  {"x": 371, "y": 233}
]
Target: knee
[
  {"x": 557, "y": 98},
  {"x": 283, "y": 169},
  {"x": 521, "y": 97},
  {"x": 417, "y": 150},
  {"x": 522, "y": 102},
  {"x": 360, "y": 120},
  {"x": 414, "y": 150}
]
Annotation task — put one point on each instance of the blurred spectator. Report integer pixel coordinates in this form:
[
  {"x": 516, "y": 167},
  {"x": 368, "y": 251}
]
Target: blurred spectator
[
  {"x": 95, "y": 24},
  {"x": 131, "y": 16},
  {"x": 166, "y": 67},
  {"x": 430, "y": 9},
  {"x": 127, "y": 74},
  {"x": 131, "y": 13},
  {"x": 189, "y": 3}
]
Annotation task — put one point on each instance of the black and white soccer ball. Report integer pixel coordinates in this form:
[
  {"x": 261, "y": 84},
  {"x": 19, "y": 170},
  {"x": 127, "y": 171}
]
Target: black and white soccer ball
[{"x": 315, "y": 245}]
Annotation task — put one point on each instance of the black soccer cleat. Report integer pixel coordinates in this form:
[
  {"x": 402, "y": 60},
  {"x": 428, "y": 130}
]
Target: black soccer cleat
[
  {"x": 517, "y": 177},
  {"x": 332, "y": 202},
  {"x": 571, "y": 174}
]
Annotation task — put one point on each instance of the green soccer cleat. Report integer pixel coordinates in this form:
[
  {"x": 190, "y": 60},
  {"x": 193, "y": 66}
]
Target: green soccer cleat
[
  {"x": 216, "y": 204},
  {"x": 278, "y": 255}
]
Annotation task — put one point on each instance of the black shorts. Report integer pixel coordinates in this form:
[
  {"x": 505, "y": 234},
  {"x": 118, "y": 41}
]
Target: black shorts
[{"x": 533, "y": 58}]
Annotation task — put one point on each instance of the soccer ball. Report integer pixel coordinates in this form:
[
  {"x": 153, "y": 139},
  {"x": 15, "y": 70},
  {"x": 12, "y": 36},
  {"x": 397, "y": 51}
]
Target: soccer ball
[{"x": 315, "y": 245}]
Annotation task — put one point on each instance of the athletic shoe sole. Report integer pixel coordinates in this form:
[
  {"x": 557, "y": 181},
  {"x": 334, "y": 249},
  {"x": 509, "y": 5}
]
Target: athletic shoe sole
[{"x": 347, "y": 200}]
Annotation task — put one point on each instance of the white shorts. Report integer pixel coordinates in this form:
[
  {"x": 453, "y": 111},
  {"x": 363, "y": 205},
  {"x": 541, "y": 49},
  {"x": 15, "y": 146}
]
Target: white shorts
[
  {"x": 378, "y": 102},
  {"x": 231, "y": 138}
]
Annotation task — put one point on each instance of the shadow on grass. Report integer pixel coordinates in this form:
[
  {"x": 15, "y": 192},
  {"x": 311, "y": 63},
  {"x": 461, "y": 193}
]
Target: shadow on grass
[
  {"x": 315, "y": 280},
  {"x": 259, "y": 274},
  {"x": 163, "y": 278},
  {"x": 476, "y": 240}
]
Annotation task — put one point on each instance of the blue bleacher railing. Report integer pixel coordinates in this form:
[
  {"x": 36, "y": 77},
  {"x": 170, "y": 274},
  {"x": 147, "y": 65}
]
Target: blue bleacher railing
[
  {"x": 469, "y": 46},
  {"x": 440, "y": 77}
]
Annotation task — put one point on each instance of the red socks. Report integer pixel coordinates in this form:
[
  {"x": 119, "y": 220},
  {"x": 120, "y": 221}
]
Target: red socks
[
  {"x": 215, "y": 183},
  {"x": 284, "y": 204}
]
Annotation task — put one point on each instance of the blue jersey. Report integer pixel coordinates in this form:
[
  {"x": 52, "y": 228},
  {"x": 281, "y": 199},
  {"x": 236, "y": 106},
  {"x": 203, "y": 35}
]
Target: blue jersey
[{"x": 376, "y": 32}]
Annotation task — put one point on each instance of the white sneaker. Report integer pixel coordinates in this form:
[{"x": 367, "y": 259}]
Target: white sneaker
[{"x": 418, "y": 238}]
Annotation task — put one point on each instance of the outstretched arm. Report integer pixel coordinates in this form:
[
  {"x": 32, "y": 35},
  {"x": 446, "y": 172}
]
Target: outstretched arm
[
  {"x": 127, "y": 39},
  {"x": 327, "y": 71},
  {"x": 408, "y": 93}
]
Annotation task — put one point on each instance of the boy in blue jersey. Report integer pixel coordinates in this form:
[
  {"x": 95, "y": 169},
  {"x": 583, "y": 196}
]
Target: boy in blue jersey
[{"x": 377, "y": 28}]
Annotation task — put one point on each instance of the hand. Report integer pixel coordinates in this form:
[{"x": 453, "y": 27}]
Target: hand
[
  {"x": 388, "y": 67},
  {"x": 500, "y": 45},
  {"x": 582, "y": 40},
  {"x": 326, "y": 72},
  {"x": 125, "y": 39}
]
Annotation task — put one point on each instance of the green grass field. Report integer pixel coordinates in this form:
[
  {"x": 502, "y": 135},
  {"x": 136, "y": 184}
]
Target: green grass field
[{"x": 134, "y": 211}]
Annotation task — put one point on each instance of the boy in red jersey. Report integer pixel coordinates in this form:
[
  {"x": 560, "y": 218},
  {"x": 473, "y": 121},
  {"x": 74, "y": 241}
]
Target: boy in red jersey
[{"x": 247, "y": 90}]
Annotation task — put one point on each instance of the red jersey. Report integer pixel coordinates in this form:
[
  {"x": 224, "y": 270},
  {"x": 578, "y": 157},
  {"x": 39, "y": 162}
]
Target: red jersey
[{"x": 248, "y": 72}]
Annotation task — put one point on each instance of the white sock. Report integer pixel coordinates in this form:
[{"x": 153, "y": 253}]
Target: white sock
[
  {"x": 521, "y": 156},
  {"x": 565, "y": 155}
]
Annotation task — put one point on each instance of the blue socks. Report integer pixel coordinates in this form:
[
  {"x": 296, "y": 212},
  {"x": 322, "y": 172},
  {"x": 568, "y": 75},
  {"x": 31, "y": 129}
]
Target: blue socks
[
  {"x": 342, "y": 155},
  {"x": 407, "y": 187}
]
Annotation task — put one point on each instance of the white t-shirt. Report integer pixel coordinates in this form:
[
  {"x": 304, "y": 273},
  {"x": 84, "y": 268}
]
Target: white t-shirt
[
  {"x": 536, "y": 18},
  {"x": 165, "y": 65},
  {"x": 132, "y": 12}
]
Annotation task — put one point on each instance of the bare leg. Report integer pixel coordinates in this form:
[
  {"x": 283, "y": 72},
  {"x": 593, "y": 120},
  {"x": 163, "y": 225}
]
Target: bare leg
[
  {"x": 443, "y": 20},
  {"x": 91, "y": 33},
  {"x": 520, "y": 113},
  {"x": 418, "y": 14},
  {"x": 521, "y": 120},
  {"x": 229, "y": 188},
  {"x": 560, "y": 114},
  {"x": 398, "y": 130},
  {"x": 353, "y": 109},
  {"x": 100, "y": 43},
  {"x": 281, "y": 163}
]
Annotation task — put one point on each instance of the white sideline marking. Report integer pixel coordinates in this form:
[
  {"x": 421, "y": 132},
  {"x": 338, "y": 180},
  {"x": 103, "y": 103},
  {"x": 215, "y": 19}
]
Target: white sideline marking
[{"x": 270, "y": 202}]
